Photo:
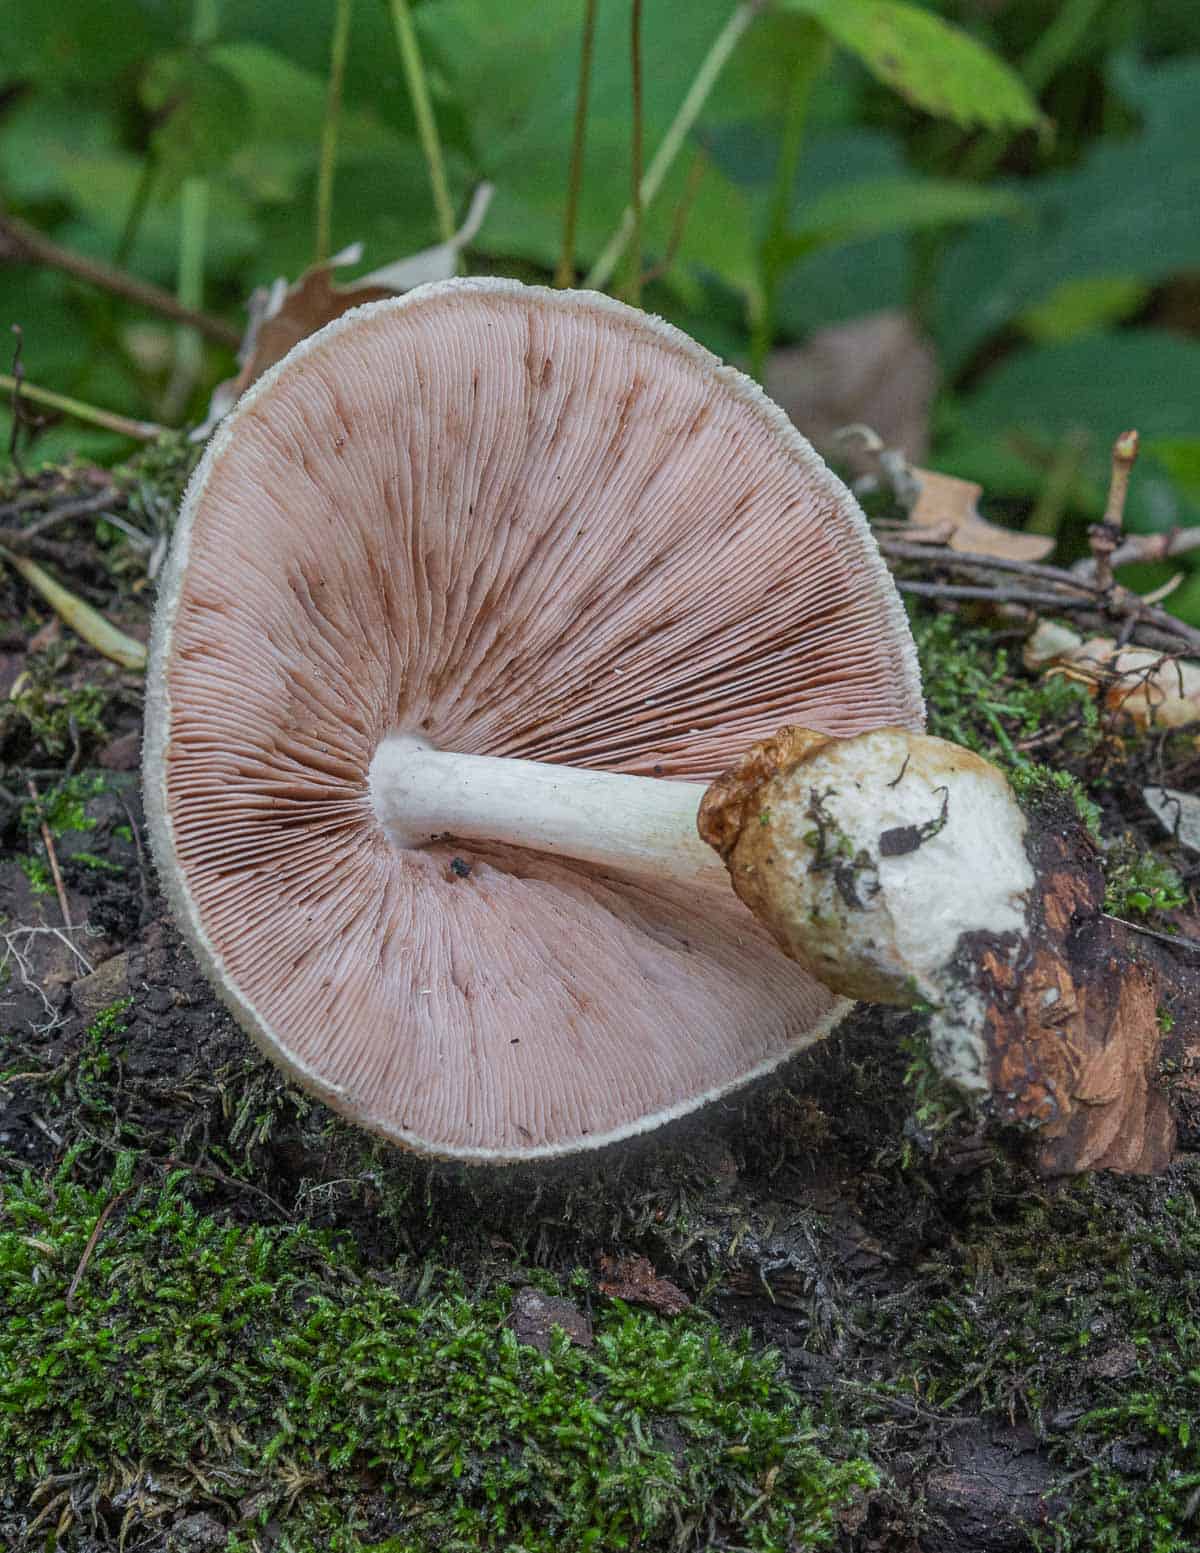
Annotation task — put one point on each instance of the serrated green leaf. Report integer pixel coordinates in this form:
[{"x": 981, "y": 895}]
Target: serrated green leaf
[
  {"x": 936, "y": 67},
  {"x": 902, "y": 204},
  {"x": 1131, "y": 210}
]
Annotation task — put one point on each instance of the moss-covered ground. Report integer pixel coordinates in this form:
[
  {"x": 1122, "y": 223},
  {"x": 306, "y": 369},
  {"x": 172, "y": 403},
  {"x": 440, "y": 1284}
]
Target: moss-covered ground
[{"x": 230, "y": 1322}]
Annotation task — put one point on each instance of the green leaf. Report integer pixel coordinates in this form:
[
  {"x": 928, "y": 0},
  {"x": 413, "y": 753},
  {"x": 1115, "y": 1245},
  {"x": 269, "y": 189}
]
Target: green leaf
[
  {"x": 1025, "y": 412},
  {"x": 76, "y": 50},
  {"x": 1083, "y": 306},
  {"x": 1132, "y": 210},
  {"x": 202, "y": 114},
  {"x": 101, "y": 189},
  {"x": 833, "y": 285},
  {"x": 934, "y": 66},
  {"x": 901, "y": 204},
  {"x": 1180, "y": 457},
  {"x": 515, "y": 67}
]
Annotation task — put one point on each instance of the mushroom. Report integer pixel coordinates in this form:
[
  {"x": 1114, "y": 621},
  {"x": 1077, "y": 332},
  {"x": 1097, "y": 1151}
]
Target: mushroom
[
  {"x": 489, "y": 522},
  {"x": 899, "y": 868},
  {"x": 875, "y": 861}
]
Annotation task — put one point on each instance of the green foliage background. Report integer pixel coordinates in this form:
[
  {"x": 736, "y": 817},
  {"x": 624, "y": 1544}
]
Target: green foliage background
[{"x": 1021, "y": 175}]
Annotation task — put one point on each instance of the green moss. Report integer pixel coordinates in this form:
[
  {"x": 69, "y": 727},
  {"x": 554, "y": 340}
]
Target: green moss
[
  {"x": 1140, "y": 884},
  {"x": 977, "y": 697},
  {"x": 1081, "y": 1312},
  {"x": 38, "y": 874},
  {"x": 226, "y": 1351},
  {"x": 1034, "y": 783},
  {"x": 89, "y": 860},
  {"x": 43, "y": 713},
  {"x": 63, "y": 807}
]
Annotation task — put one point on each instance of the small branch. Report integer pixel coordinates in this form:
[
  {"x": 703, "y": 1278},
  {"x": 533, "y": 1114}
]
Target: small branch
[
  {"x": 684, "y": 210},
  {"x": 414, "y": 71},
  {"x": 680, "y": 128},
  {"x": 908, "y": 550},
  {"x": 1104, "y": 537},
  {"x": 81, "y": 508},
  {"x": 93, "y": 1238},
  {"x": 1175, "y": 940},
  {"x": 51, "y": 855},
  {"x": 172, "y": 1162},
  {"x": 993, "y": 595},
  {"x": 26, "y": 245},
  {"x": 1124, "y": 455},
  {"x": 635, "y": 155},
  {"x": 329, "y": 130},
  {"x": 565, "y": 274},
  {"x": 92, "y": 415},
  {"x": 1156, "y": 547}
]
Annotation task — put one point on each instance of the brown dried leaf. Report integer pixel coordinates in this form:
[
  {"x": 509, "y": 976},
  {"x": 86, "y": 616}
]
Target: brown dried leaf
[
  {"x": 945, "y": 501},
  {"x": 1151, "y": 687},
  {"x": 633, "y": 1279},
  {"x": 280, "y": 316},
  {"x": 877, "y": 370}
]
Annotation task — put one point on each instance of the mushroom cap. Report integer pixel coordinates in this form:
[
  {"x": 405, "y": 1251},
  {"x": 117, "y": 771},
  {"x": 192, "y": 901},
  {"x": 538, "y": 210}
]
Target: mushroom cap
[{"x": 512, "y": 521}]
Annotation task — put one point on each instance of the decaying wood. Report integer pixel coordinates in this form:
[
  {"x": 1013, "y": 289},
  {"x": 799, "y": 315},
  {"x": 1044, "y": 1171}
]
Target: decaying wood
[{"x": 1093, "y": 1031}]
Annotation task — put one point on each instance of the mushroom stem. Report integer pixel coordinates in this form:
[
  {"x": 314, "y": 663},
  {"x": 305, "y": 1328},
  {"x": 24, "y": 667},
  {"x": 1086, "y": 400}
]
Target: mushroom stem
[{"x": 636, "y": 825}]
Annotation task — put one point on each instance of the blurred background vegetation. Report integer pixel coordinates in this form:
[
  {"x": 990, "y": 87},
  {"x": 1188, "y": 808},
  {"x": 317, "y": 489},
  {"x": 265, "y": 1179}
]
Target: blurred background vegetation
[{"x": 974, "y": 223}]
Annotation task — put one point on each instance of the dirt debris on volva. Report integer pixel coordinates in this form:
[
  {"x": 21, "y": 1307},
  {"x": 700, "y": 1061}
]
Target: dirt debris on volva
[{"x": 232, "y": 1322}]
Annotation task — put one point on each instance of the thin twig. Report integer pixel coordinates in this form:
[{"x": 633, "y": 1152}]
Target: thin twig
[
  {"x": 1174, "y": 939},
  {"x": 565, "y": 274},
  {"x": 994, "y": 595},
  {"x": 678, "y": 131},
  {"x": 25, "y": 244},
  {"x": 172, "y": 1162},
  {"x": 1156, "y": 547},
  {"x": 92, "y": 415},
  {"x": 414, "y": 71},
  {"x": 678, "y": 226},
  {"x": 1124, "y": 455},
  {"x": 91, "y": 1245},
  {"x": 81, "y": 508},
  {"x": 329, "y": 129},
  {"x": 18, "y": 413},
  {"x": 635, "y": 154},
  {"x": 1104, "y": 537},
  {"x": 907, "y": 550},
  {"x": 51, "y": 855},
  {"x": 135, "y": 832}
]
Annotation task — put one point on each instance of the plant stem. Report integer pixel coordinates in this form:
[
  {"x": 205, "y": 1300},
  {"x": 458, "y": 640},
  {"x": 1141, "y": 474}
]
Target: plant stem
[
  {"x": 137, "y": 209},
  {"x": 813, "y": 57},
  {"x": 26, "y": 245},
  {"x": 189, "y": 288},
  {"x": 565, "y": 274},
  {"x": 681, "y": 126},
  {"x": 329, "y": 130},
  {"x": 635, "y": 156},
  {"x": 193, "y": 239},
  {"x": 85, "y": 621},
  {"x": 414, "y": 70},
  {"x": 107, "y": 420}
]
